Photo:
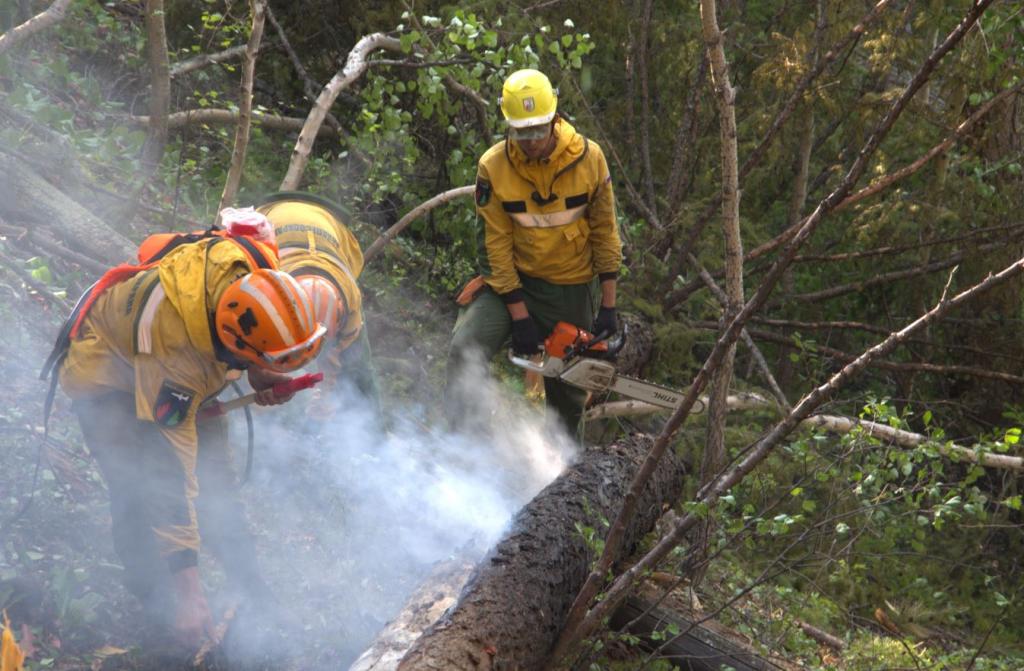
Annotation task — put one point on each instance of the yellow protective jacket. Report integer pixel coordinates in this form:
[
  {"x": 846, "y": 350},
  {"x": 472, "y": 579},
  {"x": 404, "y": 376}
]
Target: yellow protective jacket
[
  {"x": 553, "y": 218},
  {"x": 314, "y": 240},
  {"x": 150, "y": 336}
]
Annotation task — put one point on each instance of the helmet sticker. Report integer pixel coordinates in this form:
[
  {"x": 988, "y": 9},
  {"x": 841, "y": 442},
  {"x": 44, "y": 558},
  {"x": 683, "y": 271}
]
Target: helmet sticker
[{"x": 529, "y": 104}]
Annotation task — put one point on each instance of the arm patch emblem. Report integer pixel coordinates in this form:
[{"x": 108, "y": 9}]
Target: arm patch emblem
[
  {"x": 172, "y": 404},
  {"x": 483, "y": 192}
]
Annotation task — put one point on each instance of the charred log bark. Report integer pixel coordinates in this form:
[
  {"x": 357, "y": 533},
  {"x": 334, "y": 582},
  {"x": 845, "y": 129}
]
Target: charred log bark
[
  {"x": 514, "y": 605},
  {"x": 639, "y": 346}
]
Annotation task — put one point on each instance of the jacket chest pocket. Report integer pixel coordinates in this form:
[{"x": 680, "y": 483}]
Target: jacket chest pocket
[{"x": 576, "y": 234}]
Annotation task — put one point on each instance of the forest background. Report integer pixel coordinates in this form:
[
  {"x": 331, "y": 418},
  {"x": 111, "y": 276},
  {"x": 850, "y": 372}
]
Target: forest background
[{"x": 114, "y": 105}]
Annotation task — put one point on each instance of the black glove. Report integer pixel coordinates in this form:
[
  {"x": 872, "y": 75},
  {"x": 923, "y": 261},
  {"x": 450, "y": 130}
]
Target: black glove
[
  {"x": 607, "y": 323},
  {"x": 525, "y": 337}
]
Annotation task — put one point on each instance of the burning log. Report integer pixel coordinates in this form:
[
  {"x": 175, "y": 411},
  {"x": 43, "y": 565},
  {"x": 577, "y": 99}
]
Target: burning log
[{"x": 513, "y": 605}]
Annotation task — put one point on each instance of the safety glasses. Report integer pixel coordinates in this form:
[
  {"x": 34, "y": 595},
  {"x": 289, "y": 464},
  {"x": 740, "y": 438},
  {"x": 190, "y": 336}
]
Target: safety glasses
[
  {"x": 538, "y": 132},
  {"x": 284, "y": 360}
]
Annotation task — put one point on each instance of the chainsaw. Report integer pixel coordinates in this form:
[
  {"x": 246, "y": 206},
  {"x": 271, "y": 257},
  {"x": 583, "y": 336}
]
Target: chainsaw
[{"x": 581, "y": 359}]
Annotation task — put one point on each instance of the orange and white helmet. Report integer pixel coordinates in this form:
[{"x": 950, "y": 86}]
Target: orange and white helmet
[
  {"x": 266, "y": 319},
  {"x": 326, "y": 299}
]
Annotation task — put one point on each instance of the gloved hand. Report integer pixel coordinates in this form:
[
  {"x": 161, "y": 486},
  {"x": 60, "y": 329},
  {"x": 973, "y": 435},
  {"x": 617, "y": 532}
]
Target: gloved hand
[
  {"x": 526, "y": 339},
  {"x": 607, "y": 323}
]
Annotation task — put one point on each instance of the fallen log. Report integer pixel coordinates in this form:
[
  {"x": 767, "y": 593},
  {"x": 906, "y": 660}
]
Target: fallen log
[
  {"x": 25, "y": 195},
  {"x": 514, "y": 604}
]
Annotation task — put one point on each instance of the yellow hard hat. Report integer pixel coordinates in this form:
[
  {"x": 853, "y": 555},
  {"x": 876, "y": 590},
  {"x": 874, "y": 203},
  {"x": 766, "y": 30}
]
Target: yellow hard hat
[{"x": 528, "y": 99}]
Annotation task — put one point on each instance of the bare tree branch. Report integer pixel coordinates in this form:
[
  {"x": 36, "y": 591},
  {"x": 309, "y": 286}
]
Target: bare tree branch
[
  {"x": 766, "y": 444},
  {"x": 755, "y": 352},
  {"x": 54, "y": 14},
  {"x": 886, "y": 278},
  {"x": 258, "y": 10},
  {"x": 643, "y": 56},
  {"x": 833, "y": 423},
  {"x": 202, "y": 60},
  {"x": 787, "y": 110},
  {"x": 684, "y": 153},
  {"x": 888, "y": 180},
  {"x": 576, "y": 629},
  {"x": 355, "y": 66},
  {"x": 413, "y": 214},
  {"x": 223, "y": 117},
  {"x": 907, "y": 366}
]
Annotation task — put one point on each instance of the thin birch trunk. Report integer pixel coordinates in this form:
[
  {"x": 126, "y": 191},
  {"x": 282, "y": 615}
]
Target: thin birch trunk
[
  {"x": 578, "y": 622},
  {"x": 725, "y": 96},
  {"x": 355, "y": 65},
  {"x": 160, "y": 84},
  {"x": 258, "y": 9}
]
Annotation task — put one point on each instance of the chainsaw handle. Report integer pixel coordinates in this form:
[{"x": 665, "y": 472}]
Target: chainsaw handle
[
  {"x": 549, "y": 367},
  {"x": 614, "y": 346}
]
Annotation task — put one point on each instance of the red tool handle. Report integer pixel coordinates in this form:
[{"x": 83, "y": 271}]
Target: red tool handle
[
  {"x": 299, "y": 383},
  {"x": 283, "y": 388}
]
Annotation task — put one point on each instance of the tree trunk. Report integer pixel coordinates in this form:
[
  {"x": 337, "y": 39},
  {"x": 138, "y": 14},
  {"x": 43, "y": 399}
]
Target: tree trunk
[
  {"x": 25, "y": 196},
  {"x": 725, "y": 95},
  {"x": 160, "y": 95},
  {"x": 514, "y": 605},
  {"x": 258, "y": 10}
]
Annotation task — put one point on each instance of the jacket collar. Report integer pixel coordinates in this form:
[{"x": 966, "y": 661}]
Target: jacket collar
[{"x": 569, "y": 149}]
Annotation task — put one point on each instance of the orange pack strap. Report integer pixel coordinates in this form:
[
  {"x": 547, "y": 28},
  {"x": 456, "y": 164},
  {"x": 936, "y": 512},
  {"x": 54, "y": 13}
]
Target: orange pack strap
[
  {"x": 470, "y": 291},
  {"x": 115, "y": 275}
]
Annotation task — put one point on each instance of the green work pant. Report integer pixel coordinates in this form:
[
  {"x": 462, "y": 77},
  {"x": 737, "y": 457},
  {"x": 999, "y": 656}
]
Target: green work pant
[
  {"x": 146, "y": 483},
  {"x": 484, "y": 326}
]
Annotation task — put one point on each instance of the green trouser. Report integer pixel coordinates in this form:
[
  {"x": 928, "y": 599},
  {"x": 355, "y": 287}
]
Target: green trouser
[
  {"x": 357, "y": 367},
  {"x": 484, "y": 326},
  {"x": 146, "y": 483}
]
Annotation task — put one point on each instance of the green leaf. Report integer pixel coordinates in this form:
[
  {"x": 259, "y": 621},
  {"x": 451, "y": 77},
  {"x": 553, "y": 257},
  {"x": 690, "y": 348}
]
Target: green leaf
[{"x": 42, "y": 274}]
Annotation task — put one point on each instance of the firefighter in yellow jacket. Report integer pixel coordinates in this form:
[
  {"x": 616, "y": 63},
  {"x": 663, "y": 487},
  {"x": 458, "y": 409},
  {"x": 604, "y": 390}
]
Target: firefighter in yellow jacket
[
  {"x": 319, "y": 251},
  {"x": 140, "y": 353},
  {"x": 550, "y": 247}
]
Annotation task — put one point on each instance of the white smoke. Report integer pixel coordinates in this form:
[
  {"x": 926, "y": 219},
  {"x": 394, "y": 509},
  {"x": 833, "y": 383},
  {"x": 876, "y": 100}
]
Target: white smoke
[{"x": 360, "y": 513}]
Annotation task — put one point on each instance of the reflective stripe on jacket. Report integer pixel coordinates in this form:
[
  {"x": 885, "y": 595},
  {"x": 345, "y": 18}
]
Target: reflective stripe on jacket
[
  {"x": 313, "y": 240},
  {"x": 553, "y": 219},
  {"x": 150, "y": 336}
]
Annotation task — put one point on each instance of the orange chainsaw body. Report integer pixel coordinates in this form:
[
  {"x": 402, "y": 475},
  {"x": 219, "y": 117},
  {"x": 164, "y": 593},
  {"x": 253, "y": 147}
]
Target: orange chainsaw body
[{"x": 567, "y": 338}]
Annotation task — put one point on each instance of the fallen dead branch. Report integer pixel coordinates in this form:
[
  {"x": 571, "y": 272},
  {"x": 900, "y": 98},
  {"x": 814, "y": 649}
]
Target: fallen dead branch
[
  {"x": 579, "y": 622},
  {"x": 355, "y": 66},
  {"x": 411, "y": 216},
  {"x": 832, "y": 423},
  {"x": 223, "y": 117},
  {"x": 54, "y": 14}
]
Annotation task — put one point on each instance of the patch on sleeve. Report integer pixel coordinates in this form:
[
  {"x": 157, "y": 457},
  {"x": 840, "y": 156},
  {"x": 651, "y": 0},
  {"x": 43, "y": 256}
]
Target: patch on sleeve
[
  {"x": 172, "y": 404},
  {"x": 483, "y": 192}
]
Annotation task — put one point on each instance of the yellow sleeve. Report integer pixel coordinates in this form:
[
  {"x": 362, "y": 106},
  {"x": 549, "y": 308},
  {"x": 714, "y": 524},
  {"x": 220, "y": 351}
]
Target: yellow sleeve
[
  {"x": 495, "y": 255},
  {"x": 604, "y": 229}
]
